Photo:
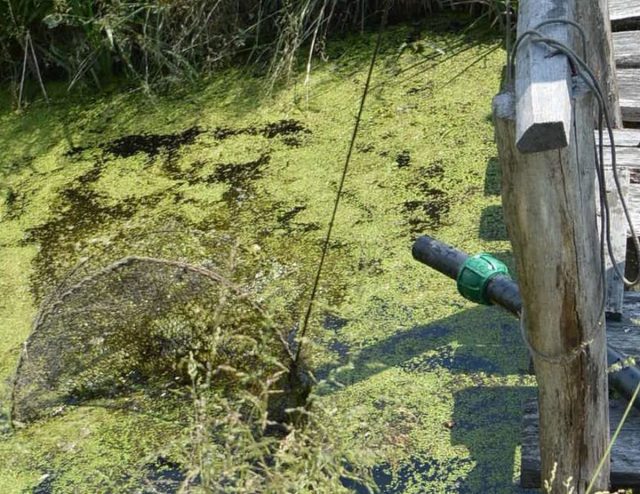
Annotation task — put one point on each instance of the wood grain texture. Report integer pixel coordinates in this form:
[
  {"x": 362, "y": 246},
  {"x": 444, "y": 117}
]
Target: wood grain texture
[
  {"x": 614, "y": 285},
  {"x": 633, "y": 203},
  {"x": 625, "y": 461},
  {"x": 543, "y": 81},
  {"x": 549, "y": 209},
  {"x": 624, "y": 14},
  {"x": 627, "y": 143},
  {"x": 629, "y": 87},
  {"x": 622, "y": 137},
  {"x": 624, "y": 335},
  {"x": 626, "y": 48}
]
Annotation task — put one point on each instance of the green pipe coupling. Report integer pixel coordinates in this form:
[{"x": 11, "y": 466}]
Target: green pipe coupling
[{"x": 475, "y": 274}]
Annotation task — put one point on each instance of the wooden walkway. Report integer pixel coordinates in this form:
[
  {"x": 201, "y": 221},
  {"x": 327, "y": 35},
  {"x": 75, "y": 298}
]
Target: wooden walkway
[
  {"x": 623, "y": 307},
  {"x": 625, "y": 21},
  {"x": 625, "y": 464}
]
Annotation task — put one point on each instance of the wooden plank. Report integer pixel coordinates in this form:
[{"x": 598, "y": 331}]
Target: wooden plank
[
  {"x": 543, "y": 82},
  {"x": 632, "y": 310},
  {"x": 625, "y": 157},
  {"x": 626, "y": 49},
  {"x": 633, "y": 203},
  {"x": 624, "y": 336},
  {"x": 624, "y": 14},
  {"x": 625, "y": 461},
  {"x": 629, "y": 87},
  {"x": 614, "y": 285},
  {"x": 622, "y": 137}
]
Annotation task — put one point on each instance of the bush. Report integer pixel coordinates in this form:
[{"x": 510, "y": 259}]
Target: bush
[{"x": 166, "y": 40}]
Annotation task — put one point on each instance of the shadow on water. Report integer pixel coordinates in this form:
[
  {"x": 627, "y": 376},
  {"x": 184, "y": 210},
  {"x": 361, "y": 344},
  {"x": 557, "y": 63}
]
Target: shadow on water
[
  {"x": 461, "y": 343},
  {"x": 492, "y": 178},
  {"x": 487, "y": 421},
  {"x": 492, "y": 224},
  {"x": 486, "y": 418}
]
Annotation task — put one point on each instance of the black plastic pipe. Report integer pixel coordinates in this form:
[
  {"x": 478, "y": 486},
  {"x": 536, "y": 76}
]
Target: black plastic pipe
[{"x": 503, "y": 291}]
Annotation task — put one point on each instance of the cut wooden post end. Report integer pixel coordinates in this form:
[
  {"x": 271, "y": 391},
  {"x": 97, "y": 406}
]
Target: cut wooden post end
[
  {"x": 543, "y": 136},
  {"x": 543, "y": 80}
]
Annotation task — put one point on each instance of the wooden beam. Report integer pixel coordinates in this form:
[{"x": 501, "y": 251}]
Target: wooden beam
[
  {"x": 633, "y": 203},
  {"x": 626, "y": 48},
  {"x": 625, "y": 157},
  {"x": 629, "y": 93},
  {"x": 624, "y": 13},
  {"x": 622, "y": 138},
  {"x": 543, "y": 81},
  {"x": 614, "y": 285},
  {"x": 625, "y": 462},
  {"x": 624, "y": 335},
  {"x": 627, "y": 148}
]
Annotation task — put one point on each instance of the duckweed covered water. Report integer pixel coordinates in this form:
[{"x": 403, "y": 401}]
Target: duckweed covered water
[{"x": 429, "y": 382}]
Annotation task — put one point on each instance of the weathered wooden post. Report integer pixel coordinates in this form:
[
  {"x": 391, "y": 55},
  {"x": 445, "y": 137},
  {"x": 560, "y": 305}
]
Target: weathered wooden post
[{"x": 544, "y": 132}]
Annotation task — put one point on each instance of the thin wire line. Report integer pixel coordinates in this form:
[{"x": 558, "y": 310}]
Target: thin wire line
[
  {"x": 607, "y": 453},
  {"x": 345, "y": 169}
]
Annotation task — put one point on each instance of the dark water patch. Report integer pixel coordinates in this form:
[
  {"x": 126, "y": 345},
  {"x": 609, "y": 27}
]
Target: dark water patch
[
  {"x": 238, "y": 174},
  {"x": 283, "y": 127},
  {"x": 341, "y": 348},
  {"x": 14, "y": 203},
  {"x": 403, "y": 159},
  {"x": 333, "y": 322},
  {"x": 287, "y": 128},
  {"x": 426, "y": 177},
  {"x": 285, "y": 218},
  {"x": 435, "y": 170},
  {"x": 285, "y": 221},
  {"x": 292, "y": 142},
  {"x": 427, "y": 214},
  {"x": 414, "y": 472},
  {"x": 492, "y": 225},
  {"x": 46, "y": 484},
  {"x": 75, "y": 151},
  {"x": 450, "y": 359},
  {"x": 80, "y": 213},
  {"x": 151, "y": 144},
  {"x": 163, "y": 477},
  {"x": 635, "y": 176}
]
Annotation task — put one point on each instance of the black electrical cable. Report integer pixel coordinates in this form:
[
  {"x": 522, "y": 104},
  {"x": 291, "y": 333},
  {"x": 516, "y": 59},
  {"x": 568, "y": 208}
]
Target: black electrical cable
[{"x": 586, "y": 74}]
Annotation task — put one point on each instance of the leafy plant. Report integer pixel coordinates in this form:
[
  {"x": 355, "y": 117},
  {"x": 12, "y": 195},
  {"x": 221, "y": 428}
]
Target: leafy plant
[{"x": 88, "y": 41}]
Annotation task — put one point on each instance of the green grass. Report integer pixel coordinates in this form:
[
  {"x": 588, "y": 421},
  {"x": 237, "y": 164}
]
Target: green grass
[{"x": 411, "y": 355}]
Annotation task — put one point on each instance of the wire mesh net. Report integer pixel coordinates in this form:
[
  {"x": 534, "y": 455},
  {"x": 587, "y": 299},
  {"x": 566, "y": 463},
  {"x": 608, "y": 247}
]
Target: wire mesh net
[{"x": 112, "y": 325}]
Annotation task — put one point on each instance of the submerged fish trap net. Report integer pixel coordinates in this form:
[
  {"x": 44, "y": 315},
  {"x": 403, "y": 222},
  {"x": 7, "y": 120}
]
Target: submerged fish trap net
[{"x": 113, "y": 325}]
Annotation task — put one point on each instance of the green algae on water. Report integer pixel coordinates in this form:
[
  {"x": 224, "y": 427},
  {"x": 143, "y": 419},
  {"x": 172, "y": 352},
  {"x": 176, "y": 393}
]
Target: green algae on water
[{"x": 426, "y": 380}]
